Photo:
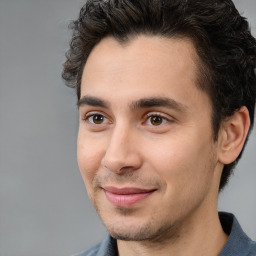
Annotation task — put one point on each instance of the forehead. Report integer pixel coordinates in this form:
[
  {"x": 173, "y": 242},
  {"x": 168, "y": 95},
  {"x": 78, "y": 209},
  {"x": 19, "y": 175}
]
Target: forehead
[{"x": 147, "y": 64}]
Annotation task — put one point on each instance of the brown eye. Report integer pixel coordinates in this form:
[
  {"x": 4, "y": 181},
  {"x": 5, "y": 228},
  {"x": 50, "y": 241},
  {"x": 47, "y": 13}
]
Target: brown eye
[
  {"x": 96, "y": 119},
  {"x": 156, "y": 120}
]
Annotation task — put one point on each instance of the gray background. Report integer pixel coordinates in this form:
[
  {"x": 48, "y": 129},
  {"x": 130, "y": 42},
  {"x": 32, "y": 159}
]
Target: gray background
[{"x": 44, "y": 208}]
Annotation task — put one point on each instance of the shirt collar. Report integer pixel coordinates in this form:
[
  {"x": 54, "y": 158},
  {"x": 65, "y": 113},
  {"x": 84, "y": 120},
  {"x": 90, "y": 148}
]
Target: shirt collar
[
  {"x": 238, "y": 242},
  {"x": 108, "y": 247}
]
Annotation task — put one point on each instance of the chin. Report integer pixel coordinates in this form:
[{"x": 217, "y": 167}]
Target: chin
[
  {"x": 129, "y": 234},
  {"x": 140, "y": 232}
]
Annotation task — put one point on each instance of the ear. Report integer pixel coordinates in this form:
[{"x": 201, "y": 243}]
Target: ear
[{"x": 232, "y": 135}]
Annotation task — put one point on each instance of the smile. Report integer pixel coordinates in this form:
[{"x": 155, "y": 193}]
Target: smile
[{"x": 125, "y": 197}]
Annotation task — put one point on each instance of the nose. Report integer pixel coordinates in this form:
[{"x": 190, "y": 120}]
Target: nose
[{"x": 122, "y": 153}]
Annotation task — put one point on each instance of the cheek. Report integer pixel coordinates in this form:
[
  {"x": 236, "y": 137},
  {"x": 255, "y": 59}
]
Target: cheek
[
  {"x": 182, "y": 163},
  {"x": 89, "y": 155},
  {"x": 187, "y": 174}
]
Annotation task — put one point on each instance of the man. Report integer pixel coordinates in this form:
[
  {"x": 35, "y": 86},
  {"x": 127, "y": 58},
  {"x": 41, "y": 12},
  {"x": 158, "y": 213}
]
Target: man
[{"x": 166, "y": 94}]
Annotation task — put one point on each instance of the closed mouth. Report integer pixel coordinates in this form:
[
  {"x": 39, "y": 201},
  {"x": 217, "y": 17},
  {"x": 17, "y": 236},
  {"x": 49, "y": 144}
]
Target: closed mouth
[{"x": 127, "y": 196}]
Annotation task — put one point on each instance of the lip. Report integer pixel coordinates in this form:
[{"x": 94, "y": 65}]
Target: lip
[{"x": 128, "y": 196}]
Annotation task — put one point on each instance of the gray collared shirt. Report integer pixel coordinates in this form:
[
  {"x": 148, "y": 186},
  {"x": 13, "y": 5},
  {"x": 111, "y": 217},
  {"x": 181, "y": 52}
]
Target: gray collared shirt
[{"x": 238, "y": 244}]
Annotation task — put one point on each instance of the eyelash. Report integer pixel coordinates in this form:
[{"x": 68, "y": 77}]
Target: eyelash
[
  {"x": 156, "y": 114},
  {"x": 91, "y": 115},
  {"x": 163, "y": 118}
]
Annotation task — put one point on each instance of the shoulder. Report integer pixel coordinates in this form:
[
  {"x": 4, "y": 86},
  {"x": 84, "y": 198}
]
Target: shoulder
[
  {"x": 107, "y": 247},
  {"x": 252, "y": 251},
  {"x": 90, "y": 252}
]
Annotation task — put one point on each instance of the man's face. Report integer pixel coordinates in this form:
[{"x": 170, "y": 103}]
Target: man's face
[{"x": 145, "y": 142}]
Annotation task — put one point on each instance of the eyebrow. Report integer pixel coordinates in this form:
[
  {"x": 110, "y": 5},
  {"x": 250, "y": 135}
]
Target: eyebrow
[
  {"x": 141, "y": 103},
  {"x": 92, "y": 101},
  {"x": 158, "y": 102}
]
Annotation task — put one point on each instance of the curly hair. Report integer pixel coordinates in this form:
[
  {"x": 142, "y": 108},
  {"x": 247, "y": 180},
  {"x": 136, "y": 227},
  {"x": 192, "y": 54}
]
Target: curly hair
[{"x": 221, "y": 36}]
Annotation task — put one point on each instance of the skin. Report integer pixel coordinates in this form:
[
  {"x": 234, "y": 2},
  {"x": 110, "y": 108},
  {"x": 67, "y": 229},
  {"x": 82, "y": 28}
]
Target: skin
[{"x": 168, "y": 149}]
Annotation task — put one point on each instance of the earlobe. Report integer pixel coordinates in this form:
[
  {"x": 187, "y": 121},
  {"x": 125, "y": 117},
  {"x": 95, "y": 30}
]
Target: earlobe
[{"x": 232, "y": 135}]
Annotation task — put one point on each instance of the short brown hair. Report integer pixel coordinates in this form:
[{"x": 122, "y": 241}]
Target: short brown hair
[{"x": 225, "y": 46}]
